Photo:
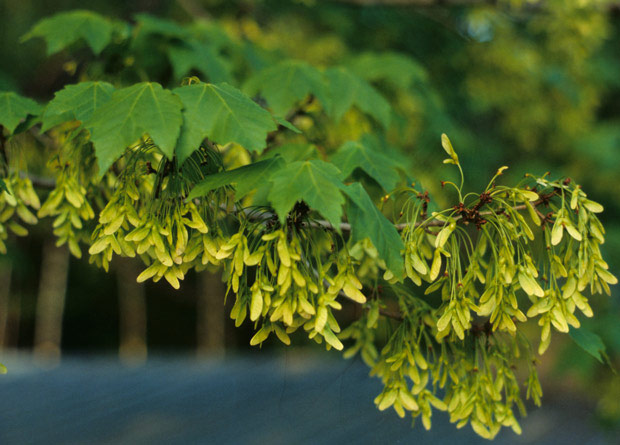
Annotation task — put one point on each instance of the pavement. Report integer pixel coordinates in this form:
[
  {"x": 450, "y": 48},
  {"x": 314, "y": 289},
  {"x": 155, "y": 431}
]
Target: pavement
[{"x": 249, "y": 399}]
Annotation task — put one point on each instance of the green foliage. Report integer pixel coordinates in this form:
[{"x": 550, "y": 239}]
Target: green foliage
[
  {"x": 368, "y": 222},
  {"x": 348, "y": 90},
  {"x": 223, "y": 114},
  {"x": 287, "y": 83},
  {"x": 197, "y": 55},
  {"x": 589, "y": 342},
  {"x": 246, "y": 178},
  {"x": 15, "y": 108},
  {"x": 363, "y": 155},
  {"x": 75, "y": 102},
  {"x": 397, "y": 69},
  {"x": 64, "y": 29},
  {"x": 132, "y": 112},
  {"x": 315, "y": 182},
  {"x": 203, "y": 175}
]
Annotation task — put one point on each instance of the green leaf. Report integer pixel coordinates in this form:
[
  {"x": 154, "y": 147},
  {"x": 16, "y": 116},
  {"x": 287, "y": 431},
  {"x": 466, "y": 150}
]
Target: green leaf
[
  {"x": 589, "y": 342},
  {"x": 66, "y": 28},
  {"x": 196, "y": 55},
  {"x": 223, "y": 114},
  {"x": 287, "y": 83},
  {"x": 132, "y": 112},
  {"x": 76, "y": 102},
  {"x": 3, "y": 369},
  {"x": 148, "y": 24},
  {"x": 213, "y": 33},
  {"x": 292, "y": 152},
  {"x": 287, "y": 124},
  {"x": 315, "y": 182},
  {"x": 347, "y": 90},
  {"x": 3, "y": 186},
  {"x": 246, "y": 178},
  {"x": 397, "y": 69},
  {"x": 362, "y": 155},
  {"x": 14, "y": 108},
  {"x": 367, "y": 221}
]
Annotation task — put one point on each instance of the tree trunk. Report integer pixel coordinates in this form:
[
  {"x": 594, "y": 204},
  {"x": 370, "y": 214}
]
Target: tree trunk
[
  {"x": 132, "y": 313},
  {"x": 51, "y": 302},
  {"x": 211, "y": 315},
  {"x": 5, "y": 286}
]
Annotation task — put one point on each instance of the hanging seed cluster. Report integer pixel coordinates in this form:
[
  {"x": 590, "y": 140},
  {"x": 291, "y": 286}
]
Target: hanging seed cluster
[
  {"x": 489, "y": 271},
  {"x": 449, "y": 326},
  {"x": 297, "y": 281},
  {"x": 17, "y": 203}
]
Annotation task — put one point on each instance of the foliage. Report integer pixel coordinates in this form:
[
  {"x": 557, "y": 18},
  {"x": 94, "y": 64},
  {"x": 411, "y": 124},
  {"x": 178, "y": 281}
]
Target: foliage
[{"x": 258, "y": 180}]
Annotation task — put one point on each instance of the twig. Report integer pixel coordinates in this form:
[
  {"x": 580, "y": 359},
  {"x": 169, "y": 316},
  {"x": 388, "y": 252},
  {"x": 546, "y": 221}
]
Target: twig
[
  {"x": 50, "y": 183},
  {"x": 391, "y": 314}
]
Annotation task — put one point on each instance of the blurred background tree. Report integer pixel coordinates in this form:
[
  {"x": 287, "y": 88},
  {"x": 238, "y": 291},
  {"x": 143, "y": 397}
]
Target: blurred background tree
[{"x": 533, "y": 85}]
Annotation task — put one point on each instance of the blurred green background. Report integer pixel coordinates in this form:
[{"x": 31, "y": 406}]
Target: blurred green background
[{"x": 531, "y": 85}]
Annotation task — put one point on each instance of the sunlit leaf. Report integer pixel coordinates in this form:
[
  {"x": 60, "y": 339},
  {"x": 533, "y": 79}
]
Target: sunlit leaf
[
  {"x": 223, "y": 114},
  {"x": 15, "y": 108},
  {"x": 76, "y": 102},
  {"x": 132, "y": 112}
]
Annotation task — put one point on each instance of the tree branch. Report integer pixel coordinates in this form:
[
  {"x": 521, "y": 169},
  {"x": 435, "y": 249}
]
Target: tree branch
[{"x": 50, "y": 183}]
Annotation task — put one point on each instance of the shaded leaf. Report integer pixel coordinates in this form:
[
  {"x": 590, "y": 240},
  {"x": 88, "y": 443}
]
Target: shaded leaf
[
  {"x": 246, "y": 178},
  {"x": 287, "y": 83},
  {"x": 211, "y": 32},
  {"x": 315, "y": 182},
  {"x": 76, "y": 102},
  {"x": 66, "y": 28},
  {"x": 347, "y": 90},
  {"x": 223, "y": 114},
  {"x": 362, "y": 155},
  {"x": 148, "y": 24},
  {"x": 199, "y": 56},
  {"x": 397, "y": 69},
  {"x": 132, "y": 112},
  {"x": 367, "y": 221},
  {"x": 15, "y": 108},
  {"x": 27, "y": 124},
  {"x": 589, "y": 342}
]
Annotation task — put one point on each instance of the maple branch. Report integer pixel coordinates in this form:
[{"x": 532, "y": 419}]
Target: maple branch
[{"x": 50, "y": 183}]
